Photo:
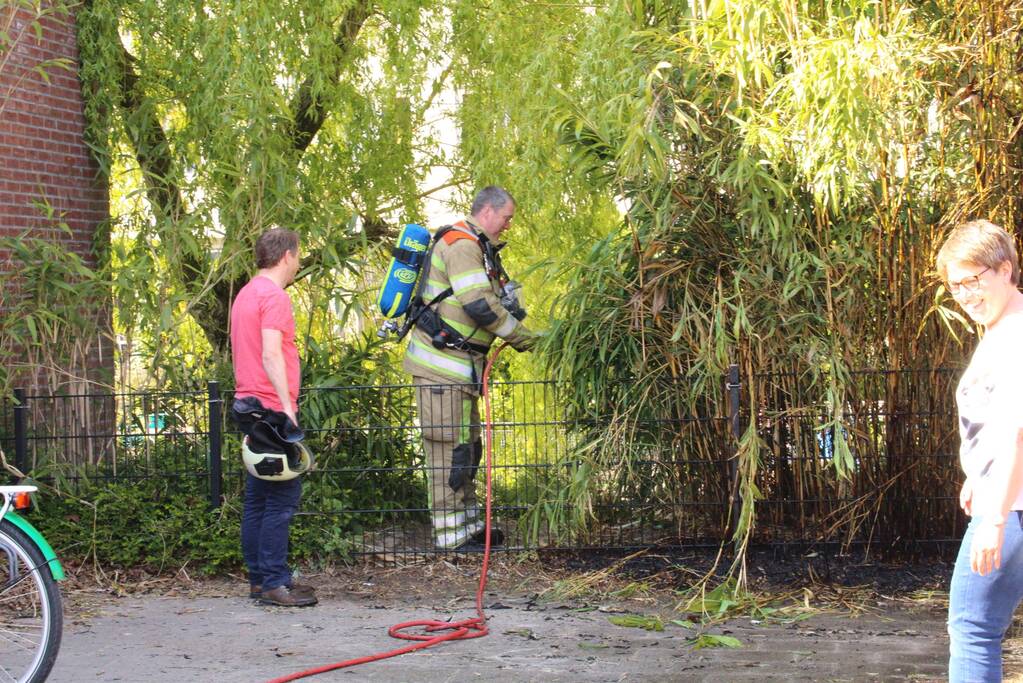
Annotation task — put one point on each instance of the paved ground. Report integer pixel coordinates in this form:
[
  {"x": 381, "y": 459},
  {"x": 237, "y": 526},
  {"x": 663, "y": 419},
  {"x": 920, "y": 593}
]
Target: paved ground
[
  {"x": 210, "y": 632},
  {"x": 228, "y": 639}
]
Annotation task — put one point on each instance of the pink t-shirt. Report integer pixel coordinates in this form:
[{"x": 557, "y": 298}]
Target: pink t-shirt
[{"x": 262, "y": 305}]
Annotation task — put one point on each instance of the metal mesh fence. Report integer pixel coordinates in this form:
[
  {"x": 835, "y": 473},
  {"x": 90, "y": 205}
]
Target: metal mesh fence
[
  {"x": 669, "y": 481},
  {"x": 902, "y": 473},
  {"x": 80, "y": 439}
]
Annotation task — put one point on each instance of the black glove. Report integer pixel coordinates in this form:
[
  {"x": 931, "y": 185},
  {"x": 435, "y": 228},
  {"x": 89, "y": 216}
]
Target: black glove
[{"x": 461, "y": 466}]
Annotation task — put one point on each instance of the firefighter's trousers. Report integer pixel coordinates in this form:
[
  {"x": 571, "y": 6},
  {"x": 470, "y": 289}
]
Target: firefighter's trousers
[{"x": 450, "y": 420}]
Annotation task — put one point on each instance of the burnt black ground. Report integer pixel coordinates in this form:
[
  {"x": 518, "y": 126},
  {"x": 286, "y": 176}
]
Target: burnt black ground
[{"x": 772, "y": 568}]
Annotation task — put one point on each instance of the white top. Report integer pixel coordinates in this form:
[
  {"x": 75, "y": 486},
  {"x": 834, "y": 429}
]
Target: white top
[{"x": 991, "y": 410}]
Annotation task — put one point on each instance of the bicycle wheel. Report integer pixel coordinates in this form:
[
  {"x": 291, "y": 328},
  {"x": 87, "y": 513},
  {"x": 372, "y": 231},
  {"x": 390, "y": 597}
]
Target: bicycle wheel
[{"x": 31, "y": 617}]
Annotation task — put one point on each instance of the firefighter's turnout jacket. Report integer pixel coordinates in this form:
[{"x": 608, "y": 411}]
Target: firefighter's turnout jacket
[{"x": 474, "y": 310}]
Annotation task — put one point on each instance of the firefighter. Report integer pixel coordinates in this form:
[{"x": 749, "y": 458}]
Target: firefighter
[{"x": 468, "y": 301}]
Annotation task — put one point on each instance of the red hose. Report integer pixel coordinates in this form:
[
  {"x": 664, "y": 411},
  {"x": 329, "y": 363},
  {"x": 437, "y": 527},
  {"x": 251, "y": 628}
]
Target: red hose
[{"x": 475, "y": 627}]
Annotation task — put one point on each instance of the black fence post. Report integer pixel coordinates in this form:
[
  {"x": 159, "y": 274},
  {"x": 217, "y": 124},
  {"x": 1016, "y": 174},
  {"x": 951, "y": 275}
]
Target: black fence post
[
  {"x": 734, "y": 386},
  {"x": 215, "y": 435},
  {"x": 21, "y": 431}
]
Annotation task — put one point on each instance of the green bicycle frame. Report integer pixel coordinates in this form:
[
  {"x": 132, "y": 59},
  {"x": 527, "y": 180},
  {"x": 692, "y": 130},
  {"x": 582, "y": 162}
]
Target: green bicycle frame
[{"x": 37, "y": 538}]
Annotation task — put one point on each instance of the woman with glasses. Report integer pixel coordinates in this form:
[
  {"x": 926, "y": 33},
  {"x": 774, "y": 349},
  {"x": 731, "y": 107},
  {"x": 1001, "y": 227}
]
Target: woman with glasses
[{"x": 980, "y": 267}]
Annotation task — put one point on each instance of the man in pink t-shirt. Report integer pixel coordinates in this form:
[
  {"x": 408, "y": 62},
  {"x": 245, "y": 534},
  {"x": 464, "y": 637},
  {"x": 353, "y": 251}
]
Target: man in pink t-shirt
[
  {"x": 266, "y": 373},
  {"x": 263, "y": 341}
]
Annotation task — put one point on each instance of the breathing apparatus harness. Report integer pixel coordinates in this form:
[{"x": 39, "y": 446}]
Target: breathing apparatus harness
[{"x": 424, "y": 314}]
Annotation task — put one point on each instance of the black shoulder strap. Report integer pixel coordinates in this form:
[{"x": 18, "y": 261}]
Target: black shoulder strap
[
  {"x": 417, "y": 305},
  {"x": 442, "y": 231},
  {"x": 407, "y": 256}
]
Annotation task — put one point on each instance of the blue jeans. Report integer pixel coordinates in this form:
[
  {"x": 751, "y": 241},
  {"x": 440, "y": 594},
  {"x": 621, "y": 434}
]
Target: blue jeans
[
  {"x": 980, "y": 608},
  {"x": 266, "y": 516}
]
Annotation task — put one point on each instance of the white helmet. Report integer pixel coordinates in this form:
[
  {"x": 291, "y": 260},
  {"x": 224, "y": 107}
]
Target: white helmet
[{"x": 277, "y": 466}]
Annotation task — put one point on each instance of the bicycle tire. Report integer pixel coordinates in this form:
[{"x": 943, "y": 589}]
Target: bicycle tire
[{"x": 31, "y": 612}]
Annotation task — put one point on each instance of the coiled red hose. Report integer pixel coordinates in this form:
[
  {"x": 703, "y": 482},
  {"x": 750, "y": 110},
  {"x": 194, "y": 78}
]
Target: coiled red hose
[{"x": 436, "y": 631}]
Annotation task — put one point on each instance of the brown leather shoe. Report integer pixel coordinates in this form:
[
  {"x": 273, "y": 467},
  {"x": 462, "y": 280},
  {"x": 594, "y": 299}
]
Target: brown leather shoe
[
  {"x": 282, "y": 596},
  {"x": 256, "y": 590}
]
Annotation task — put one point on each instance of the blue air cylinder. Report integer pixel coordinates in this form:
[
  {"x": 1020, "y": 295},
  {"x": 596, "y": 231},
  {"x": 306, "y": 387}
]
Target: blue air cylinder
[{"x": 406, "y": 261}]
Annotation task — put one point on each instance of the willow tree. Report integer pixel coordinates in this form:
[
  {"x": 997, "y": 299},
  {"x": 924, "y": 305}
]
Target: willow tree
[
  {"x": 213, "y": 123},
  {"x": 789, "y": 169},
  {"x": 217, "y": 120}
]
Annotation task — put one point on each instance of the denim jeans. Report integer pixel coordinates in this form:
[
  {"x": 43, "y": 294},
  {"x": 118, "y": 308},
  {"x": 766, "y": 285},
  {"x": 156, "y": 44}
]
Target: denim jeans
[
  {"x": 980, "y": 608},
  {"x": 266, "y": 516}
]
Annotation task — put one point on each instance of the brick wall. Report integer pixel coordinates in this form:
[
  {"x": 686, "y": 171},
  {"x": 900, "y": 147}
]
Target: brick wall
[{"x": 42, "y": 153}]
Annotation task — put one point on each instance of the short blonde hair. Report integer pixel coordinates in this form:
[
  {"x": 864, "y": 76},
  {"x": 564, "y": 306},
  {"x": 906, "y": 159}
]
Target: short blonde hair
[{"x": 979, "y": 242}]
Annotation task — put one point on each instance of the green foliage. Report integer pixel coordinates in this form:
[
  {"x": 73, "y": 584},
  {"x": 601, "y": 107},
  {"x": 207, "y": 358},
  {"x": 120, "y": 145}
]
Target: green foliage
[
  {"x": 149, "y": 523},
  {"x": 54, "y": 313},
  {"x": 712, "y": 640},
  {"x": 331, "y": 131},
  {"x": 347, "y": 395},
  {"x": 787, "y": 172},
  {"x": 206, "y": 147},
  {"x": 162, "y": 524},
  {"x": 718, "y": 603},
  {"x": 727, "y": 600},
  {"x": 647, "y": 623}
]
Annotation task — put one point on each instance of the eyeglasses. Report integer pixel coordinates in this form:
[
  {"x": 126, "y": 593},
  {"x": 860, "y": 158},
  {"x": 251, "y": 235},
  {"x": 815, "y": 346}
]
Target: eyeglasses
[{"x": 969, "y": 284}]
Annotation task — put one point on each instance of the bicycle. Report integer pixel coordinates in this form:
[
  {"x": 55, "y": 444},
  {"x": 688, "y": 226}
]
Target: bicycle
[{"x": 31, "y": 615}]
